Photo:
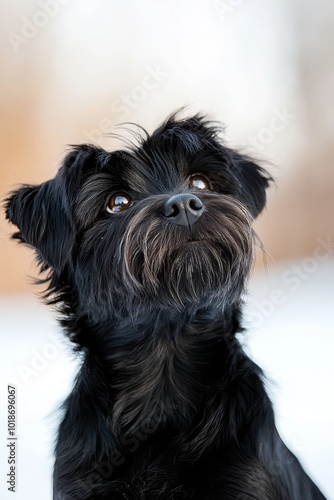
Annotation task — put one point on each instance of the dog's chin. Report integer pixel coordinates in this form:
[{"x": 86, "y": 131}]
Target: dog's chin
[
  {"x": 200, "y": 273},
  {"x": 195, "y": 274}
]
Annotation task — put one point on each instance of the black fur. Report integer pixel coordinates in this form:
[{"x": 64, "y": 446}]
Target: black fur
[{"x": 166, "y": 404}]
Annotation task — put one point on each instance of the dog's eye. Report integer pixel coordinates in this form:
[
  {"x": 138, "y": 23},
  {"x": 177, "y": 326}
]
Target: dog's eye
[
  {"x": 198, "y": 182},
  {"x": 119, "y": 202}
]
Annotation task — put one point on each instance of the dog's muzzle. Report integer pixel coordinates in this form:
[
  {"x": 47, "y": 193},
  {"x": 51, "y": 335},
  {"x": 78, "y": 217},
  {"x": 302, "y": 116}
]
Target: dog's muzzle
[{"x": 183, "y": 209}]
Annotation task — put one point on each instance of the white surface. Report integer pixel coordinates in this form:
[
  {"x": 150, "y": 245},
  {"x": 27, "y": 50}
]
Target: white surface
[{"x": 293, "y": 342}]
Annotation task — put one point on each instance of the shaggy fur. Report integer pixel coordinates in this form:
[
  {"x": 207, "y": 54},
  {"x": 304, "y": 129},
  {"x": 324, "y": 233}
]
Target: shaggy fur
[{"x": 166, "y": 404}]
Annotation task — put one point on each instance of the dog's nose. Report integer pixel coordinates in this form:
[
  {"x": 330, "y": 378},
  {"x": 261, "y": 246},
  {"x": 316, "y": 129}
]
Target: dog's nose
[{"x": 183, "y": 209}]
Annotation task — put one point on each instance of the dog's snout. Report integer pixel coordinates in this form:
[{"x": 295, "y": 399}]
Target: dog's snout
[{"x": 183, "y": 209}]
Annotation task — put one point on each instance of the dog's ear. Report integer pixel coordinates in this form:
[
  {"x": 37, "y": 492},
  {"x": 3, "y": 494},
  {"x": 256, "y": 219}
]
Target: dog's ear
[
  {"x": 254, "y": 181},
  {"x": 41, "y": 215}
]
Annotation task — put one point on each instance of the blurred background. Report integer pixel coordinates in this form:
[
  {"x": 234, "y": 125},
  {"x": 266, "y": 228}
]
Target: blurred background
[{"x": 71, "y": 71}]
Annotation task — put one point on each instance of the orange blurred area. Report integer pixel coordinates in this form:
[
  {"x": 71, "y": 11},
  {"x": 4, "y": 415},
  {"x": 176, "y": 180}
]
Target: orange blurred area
[{"x": 71, "y": 71}]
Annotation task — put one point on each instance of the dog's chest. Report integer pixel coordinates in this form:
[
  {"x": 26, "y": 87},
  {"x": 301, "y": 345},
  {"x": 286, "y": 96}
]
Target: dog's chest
[{"x": 162, "y": 380}]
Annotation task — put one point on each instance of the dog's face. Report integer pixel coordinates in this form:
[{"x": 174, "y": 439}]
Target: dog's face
[{"x": 163, "y": 224}]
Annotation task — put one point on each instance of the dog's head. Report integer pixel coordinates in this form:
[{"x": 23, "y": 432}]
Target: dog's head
[{"x": 165, "y": 223}]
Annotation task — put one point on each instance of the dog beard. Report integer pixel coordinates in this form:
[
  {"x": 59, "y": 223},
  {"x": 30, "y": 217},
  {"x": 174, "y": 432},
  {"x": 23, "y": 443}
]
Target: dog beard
[{"x": 153, "y": 263}]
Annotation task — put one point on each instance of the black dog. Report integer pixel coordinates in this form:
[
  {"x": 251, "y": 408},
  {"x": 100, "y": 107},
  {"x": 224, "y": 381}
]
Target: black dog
[{"x": 147, "y": 252}]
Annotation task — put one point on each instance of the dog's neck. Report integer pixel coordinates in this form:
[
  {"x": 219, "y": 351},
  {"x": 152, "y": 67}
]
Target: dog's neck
[{"x": 165, "y": 369}]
